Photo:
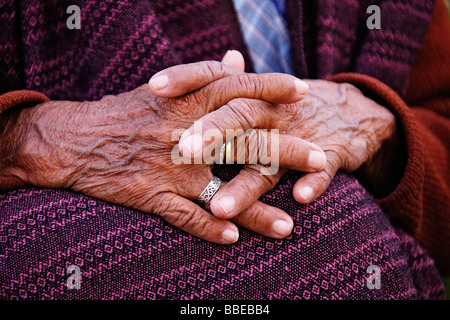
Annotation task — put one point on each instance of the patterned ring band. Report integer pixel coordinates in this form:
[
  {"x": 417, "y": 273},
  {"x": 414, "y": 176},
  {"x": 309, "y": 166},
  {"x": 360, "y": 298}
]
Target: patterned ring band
[{"x": 209, "y": 191}]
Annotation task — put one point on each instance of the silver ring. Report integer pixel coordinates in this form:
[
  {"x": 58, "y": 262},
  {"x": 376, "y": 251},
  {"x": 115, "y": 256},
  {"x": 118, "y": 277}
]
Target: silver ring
[{"x": 209, "y": 191}]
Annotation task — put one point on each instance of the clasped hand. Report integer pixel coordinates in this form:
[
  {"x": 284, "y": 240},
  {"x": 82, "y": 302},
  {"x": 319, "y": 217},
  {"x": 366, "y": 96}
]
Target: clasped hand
[{"x": 118, "y": 149}]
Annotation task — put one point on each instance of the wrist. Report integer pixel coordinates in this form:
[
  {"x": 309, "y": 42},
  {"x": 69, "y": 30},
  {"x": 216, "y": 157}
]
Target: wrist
[
  {"x": 383, "y": 172},
  {"x": 11, "y": 141},
  {"x": 32, "y": 144}
]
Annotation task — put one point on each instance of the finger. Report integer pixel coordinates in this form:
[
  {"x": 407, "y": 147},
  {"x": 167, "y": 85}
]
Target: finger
[
  {"x": 298, "y": 154},
  {"x": 235, "y": 122},
  {"x": 235, "y": 59},
  {"x": 224, "y": 124},
  {"x": 181, "y": 79},
  {"x": 258, "y": 146},
  {"x": 255, "y": 146},
  {"x": 255, "y": 215},
  {"x": 190, "y": 217},
  {"x": 270, "y": 87},
  {"x": 312, "y": 185},
  {"x": 266, "y": 220},
  {"x": 243, "y": 191}
]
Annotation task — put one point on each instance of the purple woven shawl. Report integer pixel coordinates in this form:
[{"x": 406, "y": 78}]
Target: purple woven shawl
[
  {"x": 125, "y": 254},
  {"x": 122, "y": 43}
]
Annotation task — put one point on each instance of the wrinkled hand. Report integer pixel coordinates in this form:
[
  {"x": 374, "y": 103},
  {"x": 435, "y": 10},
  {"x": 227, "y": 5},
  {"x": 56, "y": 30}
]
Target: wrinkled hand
[
  {"x": 348, "y": 126},
  {"x": 338, "y": 118},
  {"x": 118, "y": 149}
]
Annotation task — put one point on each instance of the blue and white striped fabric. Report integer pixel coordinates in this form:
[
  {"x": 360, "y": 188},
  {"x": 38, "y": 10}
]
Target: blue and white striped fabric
[
  {"x": 265, "y": 33},
  {"x": 280, "y": 5}
]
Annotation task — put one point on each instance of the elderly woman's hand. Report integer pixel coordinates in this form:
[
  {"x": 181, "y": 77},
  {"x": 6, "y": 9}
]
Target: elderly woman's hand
[
  {"x": 348, "y": 126},
  {"x": 119, "y": 149}
]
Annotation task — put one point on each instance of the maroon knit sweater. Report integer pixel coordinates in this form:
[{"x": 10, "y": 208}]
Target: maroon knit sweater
[{"x": 329, "y": 38}]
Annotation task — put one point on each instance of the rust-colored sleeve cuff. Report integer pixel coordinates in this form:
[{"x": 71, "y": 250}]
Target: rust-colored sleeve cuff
[
  {"x": 406, "y": 201},
  {"x": 23, "y": 98}
]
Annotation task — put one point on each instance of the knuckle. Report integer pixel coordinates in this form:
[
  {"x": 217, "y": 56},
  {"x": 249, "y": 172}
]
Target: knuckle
[
  {"x": 245, "y": 112},
  {"x": 279, "y": 82},
  {"x": 203, "y": 225},
  {"x": 179, "y": 218},
  {"x": 182, "y": 106},
  {"x": 211, "y": 124},
  {"x": 258, "y": 181},
  {"x": 251, "y": 85},
  {"x": 170, "y": 210},
  {"x": 253, "y": 145},
  {"x": 335, "y": 158},
  {"x": 331, "y": 168},
  {"x": 213, "y": 70},
  {"x": 294, "y": 151},
  {"x": 162, "y": 203},
  {"x": 324, "y": 178},
  {"x": 254, "y": 215}
]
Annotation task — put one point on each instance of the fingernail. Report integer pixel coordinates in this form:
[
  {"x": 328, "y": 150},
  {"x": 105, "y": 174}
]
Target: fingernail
[
  {"x": 306, "y": 193},
  {"x": 317, "y": 160},
  {"x": 281, "y": 227},
  {"x": 302, "y": 86},
  {"x": 159, "y": 82},
  {"x": 191, "y": 145},
  {"x": 227, "y": 203},
  {"x": 230, "y": 236},
  {"x": 227, "y": 56}
]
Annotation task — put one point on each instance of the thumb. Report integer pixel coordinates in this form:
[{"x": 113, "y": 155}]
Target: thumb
[
  {"x": 235, "y": 59},
  {"x": 185, "y": 78}
]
